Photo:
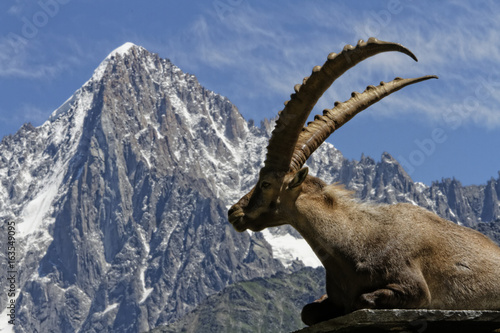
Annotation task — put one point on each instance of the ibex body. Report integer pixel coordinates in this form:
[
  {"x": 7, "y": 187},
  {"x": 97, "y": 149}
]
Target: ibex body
[{"x": 375, "y": 256}]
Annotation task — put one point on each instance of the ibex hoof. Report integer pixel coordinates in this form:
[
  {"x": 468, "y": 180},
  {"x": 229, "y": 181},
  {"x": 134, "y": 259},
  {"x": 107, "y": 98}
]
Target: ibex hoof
[{"x": 368, "y": 301}]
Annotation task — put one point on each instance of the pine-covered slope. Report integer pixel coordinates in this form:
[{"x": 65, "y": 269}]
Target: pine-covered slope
[{"x": 119, "y": 200}]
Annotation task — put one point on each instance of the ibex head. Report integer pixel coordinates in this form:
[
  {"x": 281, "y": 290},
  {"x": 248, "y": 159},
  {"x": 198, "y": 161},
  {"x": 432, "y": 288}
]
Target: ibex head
[
  {"x": 281, "y": 179},
  {"x": 269, "y": 202}
]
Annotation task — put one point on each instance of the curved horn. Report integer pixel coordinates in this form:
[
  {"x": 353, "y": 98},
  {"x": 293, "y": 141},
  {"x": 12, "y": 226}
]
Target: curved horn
[
  {"x": 323, "y": 126},
  {"x": 293, "y": 117}
]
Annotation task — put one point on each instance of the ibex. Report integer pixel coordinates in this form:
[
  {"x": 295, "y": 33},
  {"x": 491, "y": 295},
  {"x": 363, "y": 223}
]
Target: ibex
[{"x": 376, "y": 256}]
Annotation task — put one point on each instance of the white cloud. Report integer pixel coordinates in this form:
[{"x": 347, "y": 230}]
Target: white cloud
[
  {"x": 16, "y": 8},
  {"x": 31, "y": 59},
  {"x": 34, "y": 114},
  {"x": 27, "y": 113}
]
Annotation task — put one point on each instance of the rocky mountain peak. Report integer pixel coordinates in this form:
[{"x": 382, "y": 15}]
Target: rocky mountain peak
[{"x": 120, "y": 200}]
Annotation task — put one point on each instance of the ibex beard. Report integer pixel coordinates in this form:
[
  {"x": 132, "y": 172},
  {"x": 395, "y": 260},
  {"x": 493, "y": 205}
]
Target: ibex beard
[{"x": 375, "y": 256}]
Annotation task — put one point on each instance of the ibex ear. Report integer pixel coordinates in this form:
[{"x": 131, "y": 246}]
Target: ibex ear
[{"x": 299, "y": 178}]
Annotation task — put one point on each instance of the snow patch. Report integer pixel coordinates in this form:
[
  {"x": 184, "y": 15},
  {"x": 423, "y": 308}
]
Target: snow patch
[
  {"x": 420, "y": 187},
  {"x": 287, "y": 248},
  {"x": 146, "y": 291},
  {"x": 63, "y": 109},
  {"x": 5, "y": 327},
  {"x": 142, "y": 274},
  {"x": 122, "y": 50},
  {"x": 37, "y": 209},
  {"x": 40, "y": 206},
  {"x": 110, "y": 308}
]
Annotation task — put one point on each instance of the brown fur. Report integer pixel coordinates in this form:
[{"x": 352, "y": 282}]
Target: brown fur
[{"x": 376, "y": 256}]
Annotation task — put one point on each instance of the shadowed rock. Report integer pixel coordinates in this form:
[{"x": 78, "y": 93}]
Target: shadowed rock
[{"x": 399, "y": 320}]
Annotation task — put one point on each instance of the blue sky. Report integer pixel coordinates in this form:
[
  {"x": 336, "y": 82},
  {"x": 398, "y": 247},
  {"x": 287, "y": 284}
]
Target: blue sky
[{"x": 254, "y": 52}]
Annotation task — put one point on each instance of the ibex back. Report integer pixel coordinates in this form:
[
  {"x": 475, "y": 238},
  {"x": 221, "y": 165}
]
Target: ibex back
[{"x": 375, "y": 256}]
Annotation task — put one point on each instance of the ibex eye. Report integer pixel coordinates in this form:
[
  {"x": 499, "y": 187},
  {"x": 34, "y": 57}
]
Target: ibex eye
[{"x": 265, "y": 185}]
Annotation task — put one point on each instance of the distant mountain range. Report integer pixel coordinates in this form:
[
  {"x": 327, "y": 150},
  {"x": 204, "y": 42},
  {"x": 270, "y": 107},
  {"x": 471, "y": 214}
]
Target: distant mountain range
[{"x": 119, "y": 203}]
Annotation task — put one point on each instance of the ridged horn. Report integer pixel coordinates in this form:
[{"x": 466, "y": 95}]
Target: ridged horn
[
  {"x": 293, "y": 117},
  {"x": 323, "y": 126}
]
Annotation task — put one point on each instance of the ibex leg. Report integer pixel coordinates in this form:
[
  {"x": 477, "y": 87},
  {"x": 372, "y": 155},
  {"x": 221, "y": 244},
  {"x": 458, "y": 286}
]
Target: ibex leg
[
  {"x": 406, "y": 294},
  {"x": 320, "y": 310}
]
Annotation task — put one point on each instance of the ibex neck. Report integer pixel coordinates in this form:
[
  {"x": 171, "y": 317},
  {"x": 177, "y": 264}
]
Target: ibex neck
[{"x": 328, "y": 221}]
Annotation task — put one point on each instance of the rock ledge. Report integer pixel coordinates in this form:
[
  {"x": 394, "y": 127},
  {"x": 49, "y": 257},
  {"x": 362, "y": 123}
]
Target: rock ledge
[{"x": 403, "y": 320}]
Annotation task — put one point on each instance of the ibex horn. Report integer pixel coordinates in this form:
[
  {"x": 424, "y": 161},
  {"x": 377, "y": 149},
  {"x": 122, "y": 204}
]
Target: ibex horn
[
  {"x": 293, "y": 117},
  {"x": 323, "y": 126}
]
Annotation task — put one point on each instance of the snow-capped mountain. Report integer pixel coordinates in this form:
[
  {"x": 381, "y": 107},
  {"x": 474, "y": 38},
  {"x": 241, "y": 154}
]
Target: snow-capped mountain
[{"x": 119, "y": 200}]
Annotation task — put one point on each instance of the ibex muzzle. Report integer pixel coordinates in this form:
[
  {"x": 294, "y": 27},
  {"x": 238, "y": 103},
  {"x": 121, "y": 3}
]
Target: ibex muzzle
[{"x": 375, "y": 256}]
